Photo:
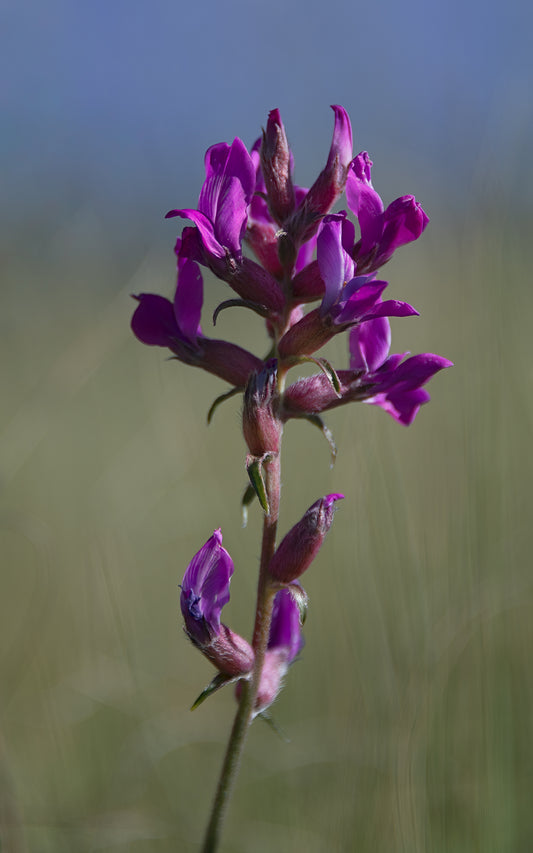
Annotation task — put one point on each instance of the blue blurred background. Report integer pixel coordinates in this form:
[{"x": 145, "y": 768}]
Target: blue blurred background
[{"x": 410, "y": 712}]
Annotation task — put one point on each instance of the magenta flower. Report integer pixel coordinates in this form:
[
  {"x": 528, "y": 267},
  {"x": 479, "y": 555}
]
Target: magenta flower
[
  {"x": 376, "y": 377},
  {"x": 284, "y": 643},
  {"x": 176, "y": 325},
  {"x": 285, "y": 629},
  {"x": 204, "y": 592},
  {"x": 223, "y": 204},
  {"x": 220, "y": 222},
  {"x": 387, "y": 381},
  {"x": 382, "y": 231},
  {"x": 347, "y": 300}
]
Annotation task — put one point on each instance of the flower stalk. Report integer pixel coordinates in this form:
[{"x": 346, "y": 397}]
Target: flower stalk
[{"x": 305, "y": 254}]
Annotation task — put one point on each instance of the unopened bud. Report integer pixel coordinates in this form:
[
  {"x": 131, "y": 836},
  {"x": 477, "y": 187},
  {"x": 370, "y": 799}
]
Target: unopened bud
[
  {"x": 276, "y": 168},
  {"x": 302, "y": 543},
  {"x": 328, "y": 186},
  {"x": 261, "y": 425}
]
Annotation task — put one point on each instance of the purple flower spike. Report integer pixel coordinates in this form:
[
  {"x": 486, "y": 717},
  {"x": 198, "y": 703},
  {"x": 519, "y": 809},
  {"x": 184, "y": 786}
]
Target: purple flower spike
[
  {"x": 204, "y": 592},
  {"x": 382, "y": 231},
  {"x": 302, "y": 543},
  {"x": 223, "y": 204}
]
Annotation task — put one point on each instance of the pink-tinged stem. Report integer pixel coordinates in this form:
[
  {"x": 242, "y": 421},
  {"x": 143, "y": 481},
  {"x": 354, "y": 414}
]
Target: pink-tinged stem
[{"x": 263, "y": 618}]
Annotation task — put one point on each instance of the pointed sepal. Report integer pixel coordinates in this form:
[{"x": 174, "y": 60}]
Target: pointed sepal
[
  {"x": 221, "y": 399},
  {"x": 271, "y": 723},
  {"x": 262, "y": 310},
  {"x": 254, "y": 467},
  {"x": 317, "y": 421},
  {"x": 301, "y": 599},
  {"x": 220, "y": 680},
  {"x": 247, "y": 498}
]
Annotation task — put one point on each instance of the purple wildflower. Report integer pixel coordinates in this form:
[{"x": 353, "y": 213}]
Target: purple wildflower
[
  {"x": 382, "y": 231},
  {"x": 347, "y": 300},
  {"x": 223, "y": 204},
  {"x": 176, "y": 325},
  {"x": 204, "y": 592},
  {"x": 284, "y": 642},
  {"x": 220, "y": 222},
  {"x": 376, "y": 378}
]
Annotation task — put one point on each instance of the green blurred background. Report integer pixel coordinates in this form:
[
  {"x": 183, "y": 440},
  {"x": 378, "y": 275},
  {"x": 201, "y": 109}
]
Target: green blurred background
[{"x": 409, "y": 713}]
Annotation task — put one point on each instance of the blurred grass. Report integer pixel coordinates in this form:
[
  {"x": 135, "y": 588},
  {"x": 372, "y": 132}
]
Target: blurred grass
[{"x": 409, "y": 713}]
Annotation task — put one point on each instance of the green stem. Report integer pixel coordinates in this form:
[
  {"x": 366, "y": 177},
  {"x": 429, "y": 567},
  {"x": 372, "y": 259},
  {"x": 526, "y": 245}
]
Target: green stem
[{"x": 263, "y": 618}]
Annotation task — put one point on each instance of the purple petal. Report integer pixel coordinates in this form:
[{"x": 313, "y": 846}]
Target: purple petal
[
  {"x": 359, "y": 303},
  {"x": 232, "y": 215},
  {"x": 215, "y": 160},
  {"x": 205, "y": 587},
  {"x": 188, "y": 300},
  {"x": 332, "y": 260},
  {"x": 392, "y": 308},
  {"x": 403, "y": 221},
  {"x": 342, "y": 142},
  {"x": 153, "y": 322},
  {"x": 305, "y": 255},
  {"x": 402, "y": 404},
  {"x": 227, "y": 191},
  {"x": 370, "y": 344},
  {"x": 418, "y": 369},
  {"x": 285, "y": 625},
  {"x": 205, "y": 227},
  {"x": 364, "y": 201}
]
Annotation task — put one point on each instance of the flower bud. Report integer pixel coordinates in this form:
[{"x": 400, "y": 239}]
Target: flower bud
[
  {"x": 261, "y": 425},
  {"x": 204, "y": 592},
  {"x": 329, "y": 185},
  {"x": 302, "y": 543},
  {"x": 276, "y": 168}
]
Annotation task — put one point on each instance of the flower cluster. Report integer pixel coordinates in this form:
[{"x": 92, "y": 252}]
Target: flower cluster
[
  {"x": 316, "y": 275},
  {"x": 205, "y": 591}
]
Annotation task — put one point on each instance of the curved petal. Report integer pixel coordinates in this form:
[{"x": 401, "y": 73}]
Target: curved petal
[
  {"x": 153, "y": 322},
  {"x": 342, "y": 142},
  {"x": 336, "y": 266},
  {"x": 188, "y": 301},
  {"x": 359, "y": 304},
  {"x": 364, "y": 201},
  {"x": 402, "y": 405},
  {"x": 205, "y": 227},
  {"x": 205, "y": 587},
  {"x": 370, "y": 344},
  {"x": 231, "y": 216},
  {"x": 285, "y": 626},
  {"x": 392, "y": 308}
]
